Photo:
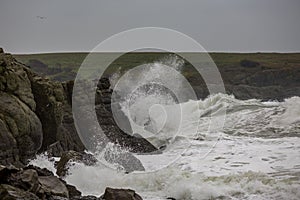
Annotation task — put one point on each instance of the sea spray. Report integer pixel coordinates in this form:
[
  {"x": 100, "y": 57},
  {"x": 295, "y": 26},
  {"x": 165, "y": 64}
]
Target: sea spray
[{"x": 240, "y": 166}]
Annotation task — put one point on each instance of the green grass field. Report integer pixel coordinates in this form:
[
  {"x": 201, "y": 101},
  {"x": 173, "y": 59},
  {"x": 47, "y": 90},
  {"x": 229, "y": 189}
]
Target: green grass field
[{"x": 63, "y": 66}]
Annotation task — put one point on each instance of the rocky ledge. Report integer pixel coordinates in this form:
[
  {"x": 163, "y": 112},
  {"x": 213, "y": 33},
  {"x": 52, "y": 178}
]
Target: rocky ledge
[
  {"x": 36, "y": 115},
  {"x": 34, "y": 183}
]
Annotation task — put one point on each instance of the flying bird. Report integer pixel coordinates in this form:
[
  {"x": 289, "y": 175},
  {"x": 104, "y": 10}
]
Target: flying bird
[{"x": 41, "y": 17}]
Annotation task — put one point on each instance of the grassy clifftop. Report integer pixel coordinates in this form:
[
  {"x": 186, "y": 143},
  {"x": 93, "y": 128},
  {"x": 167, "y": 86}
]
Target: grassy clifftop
[{"x": 63, "y": 66}]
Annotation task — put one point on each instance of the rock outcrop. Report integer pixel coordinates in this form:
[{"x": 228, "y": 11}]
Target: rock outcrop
[
  {"x": 62, "y": 165},
  {"x": 117, "y": 194},
  {"x": 54, "y": 110},
  {"x": 111, "y": 127},
  {"x": 34, "y": 113},
  {"x": 34, "y": 183},
  {"x": 20, "y": 128},
  {"x": 36, "y": 116}
]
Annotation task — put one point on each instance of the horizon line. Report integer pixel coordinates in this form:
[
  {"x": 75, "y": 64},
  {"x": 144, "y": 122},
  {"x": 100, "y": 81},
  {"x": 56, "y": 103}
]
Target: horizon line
[{"x": 87, "y": 52}]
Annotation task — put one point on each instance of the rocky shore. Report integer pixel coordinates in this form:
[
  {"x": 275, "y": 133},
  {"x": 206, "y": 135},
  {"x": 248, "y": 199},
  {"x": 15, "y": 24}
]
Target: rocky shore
[
  {"x": 34, "y": 183},
  {"x": 36, "y": 117}
]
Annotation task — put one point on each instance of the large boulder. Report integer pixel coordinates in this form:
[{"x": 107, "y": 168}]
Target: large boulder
[
  {"x": 8, "y": 192},
  {"x": 52, "y": 185},
  {"x": 39, "y": 182},
  {"x": 32, "y": 182},
  {"x": 117, "y": 194},
  {"x": 26, "y": 180}
]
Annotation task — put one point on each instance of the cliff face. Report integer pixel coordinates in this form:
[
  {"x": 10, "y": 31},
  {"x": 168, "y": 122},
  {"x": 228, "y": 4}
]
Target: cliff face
[{"x": 34, "y": 113}]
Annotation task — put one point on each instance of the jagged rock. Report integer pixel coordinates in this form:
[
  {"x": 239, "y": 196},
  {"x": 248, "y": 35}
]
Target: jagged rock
[
  {"x": 20, "y": 128},
  {"x": 26, "y": 180},
  {"x": 112, "y": 128},
  {"x": 51, "y": 185},
  {"x": 73, "y": 192},
  {"x": 6, "y": 171},
  {"x": 40, "y": 171},
  {"x": 54, "y": 111},
  {"x": 8, "y": 192},
  {"x": 36, "y": 183},
  {"x": 117, "y": 194},
  {"x": 62, "y": 165},
  {"x": 55, "y": 150},
  {"x": 37, "y": 114}
]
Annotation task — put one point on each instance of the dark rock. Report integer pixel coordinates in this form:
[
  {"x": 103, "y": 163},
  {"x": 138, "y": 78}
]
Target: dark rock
[
  {"x": 51, "y": 185},
  {"x": 73, "y": 192},
  {"x": 20, "y": 128},
  {"x": 26, "y": 180},
  {"x": 52, "y": 108},
  {"x": 104, "y": 83},
  {"x": 21, "y": 134},
  {"x": 40, "y": 171},
  {"x": 62, "y": 165},
  {"x": 6, "y": 171},
  {"x": 8, "y": 192},
  {"x": 118, "y": 132},
  {"x": 117, "y": 194},
  {"x": 37, "y": 115},
  {"x": 32, "y": 182},
  {"x": 55, "y": 150}
]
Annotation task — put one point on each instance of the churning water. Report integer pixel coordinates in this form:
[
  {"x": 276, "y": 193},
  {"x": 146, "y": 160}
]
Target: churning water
[{"x": 256, "y": 155}]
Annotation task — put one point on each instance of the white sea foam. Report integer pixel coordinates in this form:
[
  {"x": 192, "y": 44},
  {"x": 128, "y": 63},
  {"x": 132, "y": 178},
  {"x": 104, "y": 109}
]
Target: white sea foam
[
  {"x": 245, "y": 163},
  {"x": 43, "y": 161},
  {"x": 254, "y": 156}
]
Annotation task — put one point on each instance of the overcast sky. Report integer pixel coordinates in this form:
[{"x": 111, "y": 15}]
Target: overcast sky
[{"x": 218, "y": 25}]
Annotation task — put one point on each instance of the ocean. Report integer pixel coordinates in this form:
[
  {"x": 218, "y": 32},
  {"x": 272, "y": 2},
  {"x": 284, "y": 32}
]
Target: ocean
[
  {"x": 256, "y": 156},
  {"x": 216, "y": 148}
]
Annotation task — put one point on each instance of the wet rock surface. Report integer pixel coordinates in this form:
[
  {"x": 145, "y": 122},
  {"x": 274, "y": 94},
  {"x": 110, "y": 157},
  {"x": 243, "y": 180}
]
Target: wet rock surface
[
  {"x": 27, "y": 183},
  {"x": 111, "y": 128},
  {"x": 33, "y": 183},
  {"x": 124, "y": 194},
  {"x": 34, "y": 113},
  {"x": 62, "y": 165},
  {"x": 20, "y": 128},
  {"x": 36, "y": 116}
]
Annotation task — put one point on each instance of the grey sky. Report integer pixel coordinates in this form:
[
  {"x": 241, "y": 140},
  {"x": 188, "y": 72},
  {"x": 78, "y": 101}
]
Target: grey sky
[{"x": 218, "y": 25}]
